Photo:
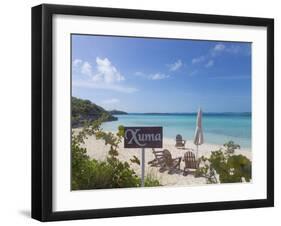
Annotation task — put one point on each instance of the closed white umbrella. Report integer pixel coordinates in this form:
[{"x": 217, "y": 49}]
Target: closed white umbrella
[{"x": 198, "y": 136}]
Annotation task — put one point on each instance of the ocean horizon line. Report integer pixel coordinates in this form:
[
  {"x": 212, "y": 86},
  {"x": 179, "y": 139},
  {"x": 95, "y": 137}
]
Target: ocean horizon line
[
  {"x": 218, "y": 127},
  {"x": 188, "y": 113}
]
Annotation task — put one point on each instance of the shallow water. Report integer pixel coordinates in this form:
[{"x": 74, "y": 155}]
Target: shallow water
[{"x": 218, "y": 128}]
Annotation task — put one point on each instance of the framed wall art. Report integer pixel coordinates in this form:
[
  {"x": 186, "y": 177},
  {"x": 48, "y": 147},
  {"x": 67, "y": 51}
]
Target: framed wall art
[{"x": 145, "y": 112}]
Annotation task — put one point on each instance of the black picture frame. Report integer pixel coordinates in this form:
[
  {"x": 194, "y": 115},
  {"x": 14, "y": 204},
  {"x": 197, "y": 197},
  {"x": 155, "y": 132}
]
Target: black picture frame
[{"x": 42, "y": 106}]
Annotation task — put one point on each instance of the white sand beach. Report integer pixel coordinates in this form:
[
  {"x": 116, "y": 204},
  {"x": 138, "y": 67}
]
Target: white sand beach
[{"x": 98, "y": 150}]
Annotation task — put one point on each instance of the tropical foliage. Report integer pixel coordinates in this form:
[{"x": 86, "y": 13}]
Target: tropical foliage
[
  {"x": 223, "y": 166},
  {"x": 84, "y": 111},
  {"x": 112, "y": 173}
]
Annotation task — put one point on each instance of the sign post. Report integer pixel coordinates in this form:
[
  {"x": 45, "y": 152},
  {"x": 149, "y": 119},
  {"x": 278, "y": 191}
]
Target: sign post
[
  {"x": 143, "y": 137},
  {"x": 142, "y": 166}
]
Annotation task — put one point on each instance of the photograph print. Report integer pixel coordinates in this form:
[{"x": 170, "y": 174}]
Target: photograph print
[{"x": 152, "y": 112}]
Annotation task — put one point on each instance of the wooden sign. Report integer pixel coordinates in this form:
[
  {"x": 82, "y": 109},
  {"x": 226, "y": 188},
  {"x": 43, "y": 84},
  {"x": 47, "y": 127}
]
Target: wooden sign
[{"x": 143, "y": 137}]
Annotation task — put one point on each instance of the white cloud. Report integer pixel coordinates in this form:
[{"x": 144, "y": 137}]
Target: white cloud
[
  {"x": 236, "y": 49},
  {"x": 198, "y": 59},
  {"x": 111, "y": 101},
  {"x": 158, "y": 76},
  {"x": 113, "y": 87},
  {"x": 175, "y": 66},
  {"x": 102, "y": 75},
  {"x": 210, "y": 63},
  {"x": 215, "y": 52},
  {"x": 107, "y": 72},
  {"x": 231, "y": 49},
  {"x": 104, "y": 70},
  {"x": 87, "y": 69},
  {"x": 77, "y": 62},
  {"x": 219, "y": 47},
  {"x": 218, "y": 50}
]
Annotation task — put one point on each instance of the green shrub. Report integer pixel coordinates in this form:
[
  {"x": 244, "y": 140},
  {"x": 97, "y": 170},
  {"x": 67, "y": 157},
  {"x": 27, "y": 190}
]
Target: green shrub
[
  {"x": 230, "y": 168},
  {"x": 93, "y": 174},
  {"x": 151, "y": 181}
]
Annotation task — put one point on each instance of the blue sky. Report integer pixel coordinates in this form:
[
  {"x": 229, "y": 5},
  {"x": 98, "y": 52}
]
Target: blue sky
[{"x": 162, "y": 75}]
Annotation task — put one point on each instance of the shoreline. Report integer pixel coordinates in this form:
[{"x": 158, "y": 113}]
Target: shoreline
[
  {"x": 216, "y": 139},
  {"x": 96, "y": 149}
]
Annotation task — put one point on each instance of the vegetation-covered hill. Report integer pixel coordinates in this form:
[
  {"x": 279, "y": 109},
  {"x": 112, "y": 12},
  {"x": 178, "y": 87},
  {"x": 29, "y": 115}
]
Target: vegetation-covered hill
[
  {"x": 85, "y": 110},
  {"x": 117, "y": 112}
]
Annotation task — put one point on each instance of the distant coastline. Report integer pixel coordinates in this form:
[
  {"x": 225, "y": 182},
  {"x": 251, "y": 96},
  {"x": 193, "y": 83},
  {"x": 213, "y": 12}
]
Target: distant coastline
[
  {"x": 219, "y": 127},
  {"x": 191, "y": 113},
  {"x": 117, "y": 112}
]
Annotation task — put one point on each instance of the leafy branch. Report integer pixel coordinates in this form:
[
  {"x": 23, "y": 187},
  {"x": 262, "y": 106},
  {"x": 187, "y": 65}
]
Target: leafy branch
[{"x": 223, "y": 166}]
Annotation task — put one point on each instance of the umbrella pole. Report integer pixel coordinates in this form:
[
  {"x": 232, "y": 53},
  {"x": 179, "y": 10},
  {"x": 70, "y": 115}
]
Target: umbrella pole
[{"x": 197, "y": 152}]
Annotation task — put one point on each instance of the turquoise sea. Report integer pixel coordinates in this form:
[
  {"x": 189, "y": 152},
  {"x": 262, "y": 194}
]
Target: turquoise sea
[{"x": 218, "y": 128}]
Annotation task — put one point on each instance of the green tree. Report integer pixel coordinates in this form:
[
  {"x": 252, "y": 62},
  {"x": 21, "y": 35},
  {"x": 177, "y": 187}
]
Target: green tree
[{"x": 83, "y": 111}]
